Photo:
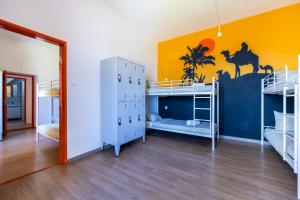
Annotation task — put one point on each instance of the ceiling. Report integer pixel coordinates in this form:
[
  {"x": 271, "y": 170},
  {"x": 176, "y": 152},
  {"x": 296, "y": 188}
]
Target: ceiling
[{"x": 165, "y": 19}]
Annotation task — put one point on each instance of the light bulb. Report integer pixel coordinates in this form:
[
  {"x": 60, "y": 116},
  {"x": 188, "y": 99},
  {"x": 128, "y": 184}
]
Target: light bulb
[{"x": 219, "y": 34}]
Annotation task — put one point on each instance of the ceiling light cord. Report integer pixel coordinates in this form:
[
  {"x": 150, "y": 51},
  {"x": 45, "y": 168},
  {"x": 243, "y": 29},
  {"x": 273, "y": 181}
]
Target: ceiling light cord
[{"x": 218, "y": 19}]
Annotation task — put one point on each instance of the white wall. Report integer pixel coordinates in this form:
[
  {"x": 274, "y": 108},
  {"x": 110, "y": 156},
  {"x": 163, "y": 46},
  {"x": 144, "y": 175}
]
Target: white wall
[
  {"x": 93, "y": 31},
  {"x": 26, "y": 55}
]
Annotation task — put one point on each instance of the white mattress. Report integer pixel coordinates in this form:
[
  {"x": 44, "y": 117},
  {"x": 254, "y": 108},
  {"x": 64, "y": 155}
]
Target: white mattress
[
  {"x": 49, "y": 130},
  {"x": 281, "y": 82},
  {"x": 174, "y": 125},
  {"x": 276, "y": 140},
  {"x": 178, "y": 90}
]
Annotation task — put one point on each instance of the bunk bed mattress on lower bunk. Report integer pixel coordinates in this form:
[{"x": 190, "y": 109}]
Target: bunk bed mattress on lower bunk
[
  {"x": 276, "y": 140},
  {"x": 174, "y": 125},
  {"x": 49, "y": 130},
  {"x": 179, "y": 90}
]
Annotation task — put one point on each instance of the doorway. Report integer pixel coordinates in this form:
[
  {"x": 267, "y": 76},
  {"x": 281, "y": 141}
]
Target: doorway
[
  {"x": 16, "y": 87},
  {"x": 19, "y": 101}
]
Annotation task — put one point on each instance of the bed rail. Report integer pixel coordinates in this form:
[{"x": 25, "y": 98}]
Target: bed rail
[
  {"x": 272, "y": 79},
  {"x": 177, "y": 84},
  {"x": 171, "y": 84},
  {"x": 47, "y": 88}
]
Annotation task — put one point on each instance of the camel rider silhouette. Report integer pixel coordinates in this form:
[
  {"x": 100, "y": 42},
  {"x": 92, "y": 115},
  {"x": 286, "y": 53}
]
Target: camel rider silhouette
[{"x": 242, "y": 54}]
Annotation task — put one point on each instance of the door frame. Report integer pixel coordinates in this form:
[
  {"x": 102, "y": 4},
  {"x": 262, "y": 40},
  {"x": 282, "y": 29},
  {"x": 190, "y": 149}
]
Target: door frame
[
  {"x": 9, "y": 74},
  {"x": 62, "y": 79}
]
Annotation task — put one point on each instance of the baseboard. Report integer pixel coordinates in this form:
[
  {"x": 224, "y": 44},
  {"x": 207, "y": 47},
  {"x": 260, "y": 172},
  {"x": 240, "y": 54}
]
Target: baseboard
[
  {"x": 226, "y": 137},
  {"x": 85, "y": 155}
]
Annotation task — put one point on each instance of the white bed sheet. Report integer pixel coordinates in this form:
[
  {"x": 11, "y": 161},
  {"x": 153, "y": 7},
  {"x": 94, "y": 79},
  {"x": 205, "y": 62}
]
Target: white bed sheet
[
  {"x": 174, "y": 125},
  {"x": 49, "y": 130},
  {"x": 179, "y": 90},
  {"x": 276, "y": 140}
]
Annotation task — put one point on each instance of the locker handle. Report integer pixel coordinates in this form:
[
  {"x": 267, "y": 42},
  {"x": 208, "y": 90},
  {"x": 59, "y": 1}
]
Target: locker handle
[
  {"x": 130, "y": 81},
  {"x": 119, "y": 77},
  {"x": 130, "y": 121},
  {"x": 119, "y": 122},
  {"x": 139, "y": 81},
  {"x": 139, "y": 118}
]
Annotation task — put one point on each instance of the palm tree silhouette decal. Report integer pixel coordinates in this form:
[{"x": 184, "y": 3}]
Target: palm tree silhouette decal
[
  {"x": 196, "y": 56},
  {"x": 189, "y": 74}
]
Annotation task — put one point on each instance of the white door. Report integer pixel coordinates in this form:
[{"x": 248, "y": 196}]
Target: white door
[
  {"x": 140, "y": 89},
  {"x": 140, "y": 119},
  {"x": 122, "y": 122},
  {"x": 122, "y": 80},
  {"x": 132, "y": 119},
  {"x": 131, "y": 74}
]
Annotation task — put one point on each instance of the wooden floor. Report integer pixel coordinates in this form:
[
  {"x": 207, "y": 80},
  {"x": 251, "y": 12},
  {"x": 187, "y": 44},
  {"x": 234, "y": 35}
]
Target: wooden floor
[
  {"x": 17, "y": 124},
  {"x": 166, "y": 167},
  {"x": 20, "y": 154}
]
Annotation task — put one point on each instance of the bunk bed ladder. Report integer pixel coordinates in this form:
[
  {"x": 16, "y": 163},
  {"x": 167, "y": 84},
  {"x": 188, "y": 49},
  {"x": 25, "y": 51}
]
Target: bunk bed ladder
[
  {"x": 197, "y": 97},
  {"x": 211, "y": 109}
]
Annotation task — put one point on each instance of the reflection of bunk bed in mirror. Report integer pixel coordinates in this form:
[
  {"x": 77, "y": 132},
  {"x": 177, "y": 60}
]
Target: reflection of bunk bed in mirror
[
  {"x": 283, "y": 136},
  {"x": 208, "y": 127},
  {"x": 48, "y": 110}
]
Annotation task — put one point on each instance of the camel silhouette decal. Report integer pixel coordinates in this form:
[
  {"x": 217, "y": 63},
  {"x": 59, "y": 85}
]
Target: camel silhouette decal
[
  {"x": 266, "y": 68},
  {"x": 241, "y": 58}
]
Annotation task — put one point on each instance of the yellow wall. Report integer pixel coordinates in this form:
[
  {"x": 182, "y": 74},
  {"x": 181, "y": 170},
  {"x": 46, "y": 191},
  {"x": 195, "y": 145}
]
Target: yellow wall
[{"x": 274, "y": 36}]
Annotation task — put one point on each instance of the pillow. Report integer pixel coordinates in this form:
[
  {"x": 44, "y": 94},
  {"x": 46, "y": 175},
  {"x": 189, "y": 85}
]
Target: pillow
[
  {"x": 279, "y": 121},
  {"x": 192, "y": 122},
  {"x": 153, "y": 117}
]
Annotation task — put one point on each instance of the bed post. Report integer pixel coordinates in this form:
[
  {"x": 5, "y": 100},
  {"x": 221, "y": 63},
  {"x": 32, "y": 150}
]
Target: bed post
[
  {"x": 296, "y": 129},
  {"x": 262, "y": 108},
  {"x": 218, "y": 111},
  {"x": 284, "y": 122},
  {"x": 212, "y": 106},
  {"x": 298, "y": 121}
]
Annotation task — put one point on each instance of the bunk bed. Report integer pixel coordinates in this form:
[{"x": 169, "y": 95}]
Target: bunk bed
[
  {"x": 283, "y": 137},
  {"x": 208, "y": 128},
  {"x": 50, "y": 127}
]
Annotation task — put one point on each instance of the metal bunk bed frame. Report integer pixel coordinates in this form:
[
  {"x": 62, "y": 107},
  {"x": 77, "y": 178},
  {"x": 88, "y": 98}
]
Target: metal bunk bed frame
[
  {"x": 45, "y": 89},
  {"x": 212, "y": 95},
  {"x": 287, "y": 91}
]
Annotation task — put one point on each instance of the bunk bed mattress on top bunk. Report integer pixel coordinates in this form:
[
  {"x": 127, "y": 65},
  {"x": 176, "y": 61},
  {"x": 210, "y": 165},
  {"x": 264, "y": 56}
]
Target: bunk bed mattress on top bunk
[
  {"x": 292, "y": 79},
  {"x": 276, "y": 140},
  {"x": 54, "y": 92},
  {"x": 49, "y": 130},
  {"x": 174, "y": 125},
  {"x": 179, "y": 90}
]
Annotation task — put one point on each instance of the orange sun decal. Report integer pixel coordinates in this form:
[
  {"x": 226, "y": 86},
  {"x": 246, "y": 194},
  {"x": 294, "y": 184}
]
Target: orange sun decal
[{"x": 208, "y": 43}]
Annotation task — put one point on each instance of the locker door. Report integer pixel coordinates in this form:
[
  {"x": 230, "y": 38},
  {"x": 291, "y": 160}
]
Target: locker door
[
  {"x": 122, "y": 122},
  {"x": 141, "y": 119},
  {"x": 122, "y": 79},
  {"x": 131, "y": 76},
  {"x": 140, "y": 82},
  {"x": 132, "y": 120}
]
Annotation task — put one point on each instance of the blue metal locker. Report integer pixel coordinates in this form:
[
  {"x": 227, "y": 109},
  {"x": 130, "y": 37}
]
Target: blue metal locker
[{"x": 122, "y": 102}]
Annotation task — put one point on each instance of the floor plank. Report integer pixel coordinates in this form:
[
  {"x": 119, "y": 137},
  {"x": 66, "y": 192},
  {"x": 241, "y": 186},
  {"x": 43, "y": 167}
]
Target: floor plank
[
  {"x": 166, "y": 167},
  {"x": 20, "y": 154}
]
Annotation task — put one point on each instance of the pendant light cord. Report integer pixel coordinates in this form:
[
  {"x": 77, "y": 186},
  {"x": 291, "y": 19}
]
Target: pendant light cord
[{"x": 218, "y": 15}]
